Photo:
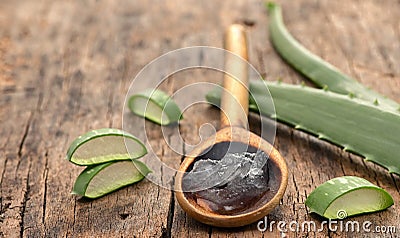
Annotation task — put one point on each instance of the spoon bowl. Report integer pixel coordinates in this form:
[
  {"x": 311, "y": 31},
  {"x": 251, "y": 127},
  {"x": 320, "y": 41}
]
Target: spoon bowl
[{"x": 234, "y": 139}]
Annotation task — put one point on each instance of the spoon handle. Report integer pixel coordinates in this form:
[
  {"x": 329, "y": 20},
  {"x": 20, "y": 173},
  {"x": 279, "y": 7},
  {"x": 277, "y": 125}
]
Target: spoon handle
[{"x": 235, "y": 96}]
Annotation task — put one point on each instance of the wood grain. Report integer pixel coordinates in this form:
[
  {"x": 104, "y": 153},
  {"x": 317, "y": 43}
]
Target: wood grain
[{"x": 65, "y": 67}]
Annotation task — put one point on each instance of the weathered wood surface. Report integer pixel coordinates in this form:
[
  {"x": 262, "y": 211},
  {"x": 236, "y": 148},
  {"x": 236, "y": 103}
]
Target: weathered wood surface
[{"x": 65, "y": 67}]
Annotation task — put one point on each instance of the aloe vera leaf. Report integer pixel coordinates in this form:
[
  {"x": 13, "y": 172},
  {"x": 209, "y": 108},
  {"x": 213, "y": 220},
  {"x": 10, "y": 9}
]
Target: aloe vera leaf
[
  {"x": 98, "y": 180},
  {"x": 156, "y": 106},
  {"x": 316, "y": 69},
  {"x": 105, "y": 145},
  {"x": 347, "y": 196},
  {"x": 356, "y": 125}
]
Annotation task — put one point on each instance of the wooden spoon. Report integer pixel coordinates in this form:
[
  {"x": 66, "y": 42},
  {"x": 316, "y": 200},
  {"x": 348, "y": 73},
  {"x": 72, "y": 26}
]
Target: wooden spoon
[{"x": 234, "y": 137}]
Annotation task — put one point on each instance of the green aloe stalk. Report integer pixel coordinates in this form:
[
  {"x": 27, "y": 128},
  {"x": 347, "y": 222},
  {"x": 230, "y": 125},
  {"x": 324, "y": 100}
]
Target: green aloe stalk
[
  {"x": 314, "y": 68},
  {"x": 358, "y": 126}
]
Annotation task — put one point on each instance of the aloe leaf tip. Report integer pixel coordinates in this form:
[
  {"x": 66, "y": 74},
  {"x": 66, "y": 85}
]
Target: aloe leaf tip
[{"x": 270, "y": 5}]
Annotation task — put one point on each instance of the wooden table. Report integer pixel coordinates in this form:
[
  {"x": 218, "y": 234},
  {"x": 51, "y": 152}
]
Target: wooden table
[{"x": 65, "y": 68}]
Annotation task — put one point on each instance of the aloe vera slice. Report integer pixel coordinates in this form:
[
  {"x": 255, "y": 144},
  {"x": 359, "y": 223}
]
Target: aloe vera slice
[
  {"x": 104, "y": 145},
  {"x": 346, "y": 196},
  {"x": 316, "y": 69},
  {"x": 156, "y": 106},
  {"x": 98, "y": 180},
  {"x": 356, "y": 125}
]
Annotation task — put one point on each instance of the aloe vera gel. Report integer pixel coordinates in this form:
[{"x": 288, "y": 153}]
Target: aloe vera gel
[{"x": 229, "y": 184}]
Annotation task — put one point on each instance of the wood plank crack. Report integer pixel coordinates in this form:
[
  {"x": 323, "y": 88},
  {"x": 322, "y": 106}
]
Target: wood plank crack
[
  {"x": 45, "y": 175},
  {"x": 26, "y": 130},
  {"x": 24, "y": 202},
  {"x": 166, "y": 233}
]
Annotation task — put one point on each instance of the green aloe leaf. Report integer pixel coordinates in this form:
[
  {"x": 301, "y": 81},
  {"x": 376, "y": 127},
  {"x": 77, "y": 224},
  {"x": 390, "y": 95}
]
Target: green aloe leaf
[
  {"x": 156, "y": 106},
  {"x": 347, "y": 196},
  {"x": 316, "y": 69},
  {"x": 105, "y": 145},
  {"x": 356, "y": 125},
  {"x": 99, "y": 180}
]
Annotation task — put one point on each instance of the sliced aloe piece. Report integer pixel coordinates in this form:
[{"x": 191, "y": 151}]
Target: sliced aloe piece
[
  {"x": 156, "y": 106},
  {"x": 98, "y": 180},
  {"x": 316, "y": 69},
  {"x": 104, "y": 145},
  {"x": 346, "y": 196}
]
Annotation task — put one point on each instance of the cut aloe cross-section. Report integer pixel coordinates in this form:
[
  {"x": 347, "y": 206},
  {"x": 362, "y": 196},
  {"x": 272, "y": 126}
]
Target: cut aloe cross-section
[
  {"x": 98, "y": 180},
  {"x": 346, "y": 196},
  {"x": 105, "y": 145},
  {"x": 156, "y": 106}
]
